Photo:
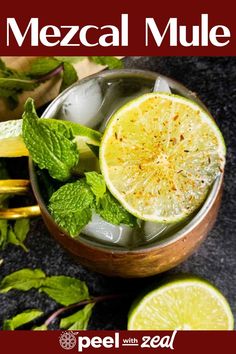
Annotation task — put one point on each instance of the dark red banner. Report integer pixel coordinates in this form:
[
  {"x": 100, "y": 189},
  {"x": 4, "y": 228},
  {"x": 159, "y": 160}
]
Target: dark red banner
[
  {"x": 54, "y": 342},
  {"x": 118, "y": 28}
]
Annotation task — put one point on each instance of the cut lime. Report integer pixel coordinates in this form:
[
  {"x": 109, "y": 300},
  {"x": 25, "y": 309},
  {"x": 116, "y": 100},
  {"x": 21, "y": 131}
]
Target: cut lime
[
  {"x": 12, "y": 144},
  {"x": 182, "y": 304},
  {"x": 159, "y": 155}
]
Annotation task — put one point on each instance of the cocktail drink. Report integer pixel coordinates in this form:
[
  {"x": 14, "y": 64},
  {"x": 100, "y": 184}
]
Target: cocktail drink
[{"x": 147, "y": 247}]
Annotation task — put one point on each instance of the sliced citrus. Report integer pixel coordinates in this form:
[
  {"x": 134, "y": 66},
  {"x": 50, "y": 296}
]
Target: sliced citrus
[
  {"x": 159, "y": 155},
  {"x": 11, "y": 142},
  {"x": 184, "y": 304}
]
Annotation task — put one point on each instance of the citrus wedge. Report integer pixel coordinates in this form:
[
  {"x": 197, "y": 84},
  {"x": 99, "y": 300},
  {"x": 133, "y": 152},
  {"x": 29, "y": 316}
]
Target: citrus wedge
[
  {"x": 184, "y": 304},
  {"x": 159, "y": 155}
]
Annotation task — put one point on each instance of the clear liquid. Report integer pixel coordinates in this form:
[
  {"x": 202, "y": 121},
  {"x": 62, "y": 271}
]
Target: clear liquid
[{"x": 92, "y": 104}]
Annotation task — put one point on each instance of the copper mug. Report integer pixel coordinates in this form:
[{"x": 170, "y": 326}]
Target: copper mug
[{"x": 148, "y": 259}]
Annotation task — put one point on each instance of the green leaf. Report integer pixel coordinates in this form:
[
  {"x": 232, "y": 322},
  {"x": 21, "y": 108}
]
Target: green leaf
[
  {"x": 42, "y": 66},
  {"x": 97, "y": 183},
  {"x": 12, "y": 238},
  {"x": 21, "y": 319},
  {"x": 3, "y": 233},
  {"x": 110, "y": 62},
  {"x": 48, "y": 148},
  {"x": 17, "y": 235},
  {"x": 11, "y": 83},
  {"x": 65, "y": 290},
  {"x": 21, "y": 229},
  {"x": 71, "y": 129},
  {"x": 71, "y": 206},
  {"x": 23, "y": 279},
  {"x": 40, "y": 328},
  {"x": 112, "y": 211},
  {"x": 72, "y": 60},
  {"x": 78, "y": 320},
  {"x": 69, "y": 76}
]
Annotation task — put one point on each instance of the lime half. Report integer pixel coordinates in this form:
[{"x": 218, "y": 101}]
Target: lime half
[
  {"x": 159, "y": 155},
  {"x": 184, "y": 304}
]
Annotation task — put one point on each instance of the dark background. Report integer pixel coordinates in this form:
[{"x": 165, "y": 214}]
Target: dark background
[{"x": 213, "y": 79}]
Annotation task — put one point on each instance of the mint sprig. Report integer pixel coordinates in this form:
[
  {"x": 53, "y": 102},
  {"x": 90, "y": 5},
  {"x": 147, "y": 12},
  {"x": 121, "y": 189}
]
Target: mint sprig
[
  {"x": 13, "y": 83},
  {"x": 72, "y": 205},
  {"x": 68, "y": 291},
  {"x": 49, "y": 148}
]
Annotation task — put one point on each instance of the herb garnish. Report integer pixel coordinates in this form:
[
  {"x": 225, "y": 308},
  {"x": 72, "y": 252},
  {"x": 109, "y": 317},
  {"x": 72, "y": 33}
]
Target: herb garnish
[
  {"x": 13, "y": 83},
  {"x": 68, "y": 291}
]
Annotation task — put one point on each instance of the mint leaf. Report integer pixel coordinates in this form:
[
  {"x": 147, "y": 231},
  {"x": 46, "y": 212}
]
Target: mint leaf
[
  {"x": 48, "y": 148},
  {"x": 112, "y": 211},
  {"x": 72, "y": 60},
  {"x": 23, "y": 279},
  {"x": 69, "y": 76},
  {"x": 11, "y": 83},
  {"x": 97, "y": 183},
  {"x": 3, "y": 233},
  {"x": 40, "y": 328},
  {"x": 60, "y": 126},
  {"x": 21, "y": 229},
  {"x": 12, "y": 238},
  {"x": 17, "y": 235},
  {"x": 71, "y": 206},
  {"x": 42, "y": 66},
  {"x": 110, "y": 62},
  {"x": 21, "y": 319},
  {"x": 71, "y": 129},
  {"x": 106, "y": 205},
  {"x": 65, "y": 290},
  {"x": 78, "y": 320}
]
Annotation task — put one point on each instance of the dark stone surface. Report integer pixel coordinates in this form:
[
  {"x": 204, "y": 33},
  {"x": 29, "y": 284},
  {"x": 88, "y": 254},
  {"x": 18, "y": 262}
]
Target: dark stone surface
[{"x": 213, "y": 79}]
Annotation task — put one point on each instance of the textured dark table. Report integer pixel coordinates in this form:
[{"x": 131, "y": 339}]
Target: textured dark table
[{"x": 213, "y": 79}]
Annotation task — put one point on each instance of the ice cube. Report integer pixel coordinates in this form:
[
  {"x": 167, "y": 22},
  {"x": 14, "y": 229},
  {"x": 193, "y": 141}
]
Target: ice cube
[
  {"x": 153, "y": 230},
  {"x": 161, "y": 85},
  {"x": 106, "y": 232},
  {"x": 83, "y": 104}
]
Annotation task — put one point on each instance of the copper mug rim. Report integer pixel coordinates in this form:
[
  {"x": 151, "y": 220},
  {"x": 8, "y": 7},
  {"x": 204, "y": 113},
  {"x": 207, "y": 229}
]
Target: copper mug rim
[{"x": 180, "y": 234}]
